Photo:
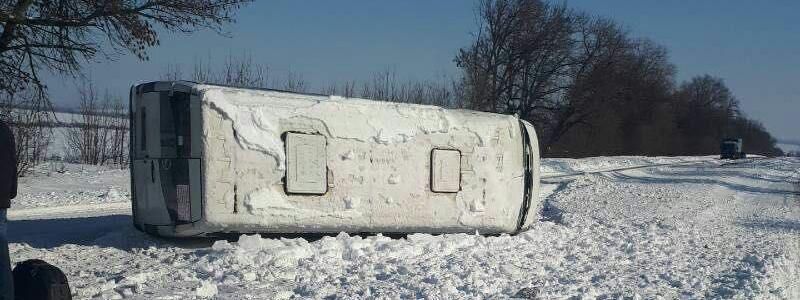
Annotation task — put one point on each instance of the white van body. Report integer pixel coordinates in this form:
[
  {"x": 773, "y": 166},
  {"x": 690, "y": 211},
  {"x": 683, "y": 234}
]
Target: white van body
[{"x": 209, "y": 159}]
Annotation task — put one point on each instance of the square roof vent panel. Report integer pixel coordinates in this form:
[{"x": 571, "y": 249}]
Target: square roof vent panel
[
  {"x": 445, "y": 171},
  {"x": 306, "y": 164}
]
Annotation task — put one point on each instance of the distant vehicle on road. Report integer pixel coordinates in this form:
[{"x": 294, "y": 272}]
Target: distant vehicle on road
[
  {"x": 209, "y": 159},
  {"x": 731, "y": 149}
]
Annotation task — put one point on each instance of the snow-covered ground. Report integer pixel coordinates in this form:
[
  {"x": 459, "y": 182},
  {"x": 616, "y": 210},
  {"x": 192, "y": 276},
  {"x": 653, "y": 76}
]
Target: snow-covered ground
[
  {"x": 612, "y": 227},
  {"x": 58, "y": 184}
]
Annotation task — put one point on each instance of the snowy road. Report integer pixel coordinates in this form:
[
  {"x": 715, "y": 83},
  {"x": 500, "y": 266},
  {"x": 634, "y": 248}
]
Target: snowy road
[{"x": 689, "y": 227}]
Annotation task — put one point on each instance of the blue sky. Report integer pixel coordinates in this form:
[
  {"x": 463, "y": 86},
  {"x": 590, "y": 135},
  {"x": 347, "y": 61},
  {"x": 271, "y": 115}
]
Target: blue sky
[{"x": 753, "y": 45}]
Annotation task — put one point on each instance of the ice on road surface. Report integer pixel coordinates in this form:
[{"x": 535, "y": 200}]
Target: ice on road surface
[{"x": 612, "y": 227}]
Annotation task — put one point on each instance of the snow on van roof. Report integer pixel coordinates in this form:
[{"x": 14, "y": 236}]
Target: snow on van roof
[
  {"x": 255, "y": 114},
  {"x": 256, "y": 88},
  {"x": 200, "y": 88}
]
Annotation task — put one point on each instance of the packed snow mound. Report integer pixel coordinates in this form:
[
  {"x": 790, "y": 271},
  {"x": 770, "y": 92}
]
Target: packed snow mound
[
  {"x": 207, "y": 289},
  {"x": 567, "y": 260}
]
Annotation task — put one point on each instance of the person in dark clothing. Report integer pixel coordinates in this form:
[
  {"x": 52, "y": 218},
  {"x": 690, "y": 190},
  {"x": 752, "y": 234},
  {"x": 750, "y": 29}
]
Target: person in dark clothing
[{"x": 8, "y": 190}]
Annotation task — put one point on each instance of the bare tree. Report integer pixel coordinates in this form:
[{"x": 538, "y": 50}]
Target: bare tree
[
  {"x": 382, "y": 86},
  {"x": 294, "y": 82},
  {"x": 173, "y": 72},
  {"x": 346, "y": 89},
  {"x": 522, "y": 59},
  {"x": 30, "y": 117},
  {"x": 241, "y": 71},
  {"x": 709, "y": 92},
  {"x": 244, "y": 72},
  {"x": 99, "y": 134},
  {"x": 590, "y": 88},
  {"x": 551, "y": 65},
  {"x": 387, "y": 86},
  {"x": 707, "y": 112},
  {"x": 119, "y": 131},
  {"x": 58, "y": 35}
]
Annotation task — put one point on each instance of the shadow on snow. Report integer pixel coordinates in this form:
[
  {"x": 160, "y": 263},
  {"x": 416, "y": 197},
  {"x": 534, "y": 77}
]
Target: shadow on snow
[
  {"x": 773, "y": 225},
  {"x": 117, "y": 231}
]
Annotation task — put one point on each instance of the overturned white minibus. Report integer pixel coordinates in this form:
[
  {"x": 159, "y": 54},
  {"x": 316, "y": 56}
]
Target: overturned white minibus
[{"x": 209, "y": 159}]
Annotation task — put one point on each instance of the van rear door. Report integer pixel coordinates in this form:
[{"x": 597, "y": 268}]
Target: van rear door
[
  {"x": 145, "y": 115},
  {"x": 165, "y": 167}
]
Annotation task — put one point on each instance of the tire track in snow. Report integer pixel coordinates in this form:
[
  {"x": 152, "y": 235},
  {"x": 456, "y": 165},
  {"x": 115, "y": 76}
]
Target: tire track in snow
[
  {"x": 551, "y": 213},
  {"x": 689, "y": 163},
  {"x": 760, "y": 267}
]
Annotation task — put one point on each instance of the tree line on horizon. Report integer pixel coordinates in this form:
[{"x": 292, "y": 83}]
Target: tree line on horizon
[{"x": 592, "y": 89}]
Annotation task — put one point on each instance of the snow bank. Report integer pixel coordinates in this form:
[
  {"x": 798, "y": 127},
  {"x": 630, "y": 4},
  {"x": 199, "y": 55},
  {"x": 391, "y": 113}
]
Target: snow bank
[
  {"x": 585, "y": 259},
  {"x": 379, "y": 265}
]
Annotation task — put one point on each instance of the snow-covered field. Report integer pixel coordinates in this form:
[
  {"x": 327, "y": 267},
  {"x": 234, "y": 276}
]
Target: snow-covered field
[
  {"x": 786, "y": 147},
  {"x": 612, "y": 228}
]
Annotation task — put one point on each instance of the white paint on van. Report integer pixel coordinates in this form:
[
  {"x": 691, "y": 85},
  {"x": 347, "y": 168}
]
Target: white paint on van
[{"x": 379, "y": 156}]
